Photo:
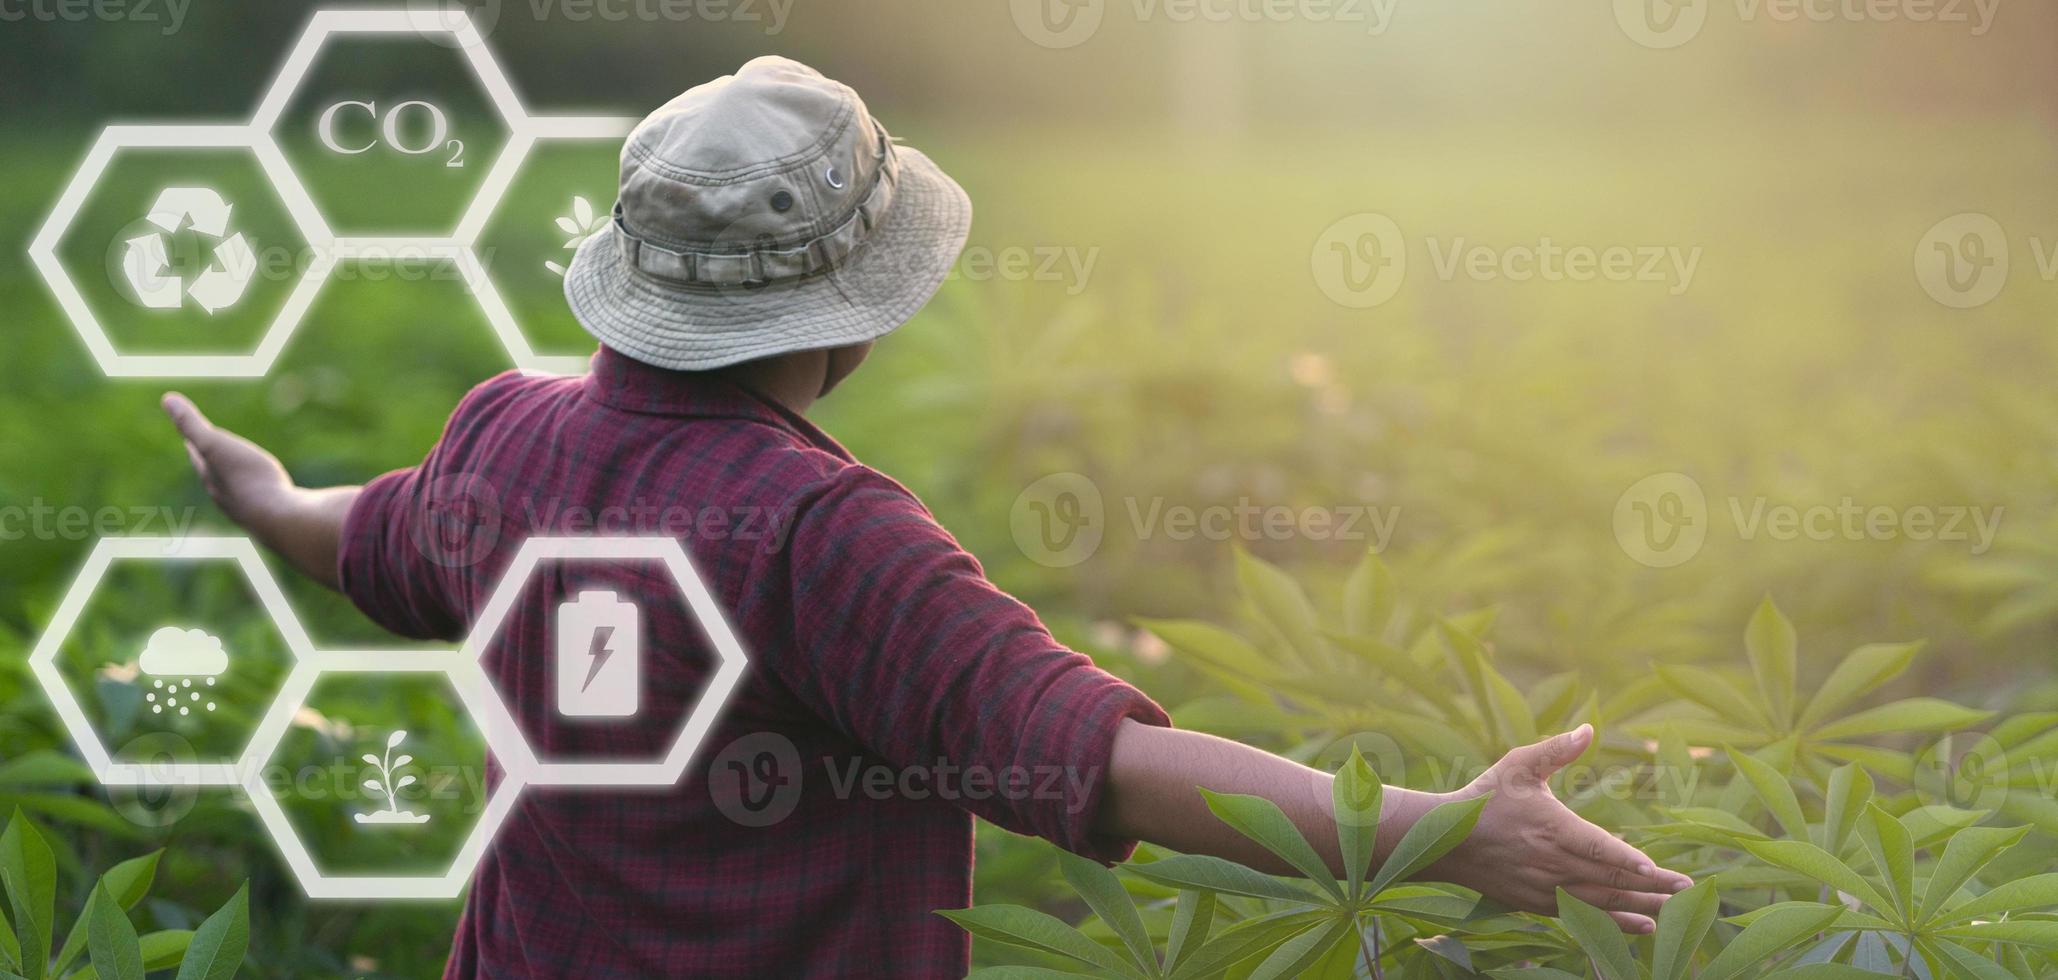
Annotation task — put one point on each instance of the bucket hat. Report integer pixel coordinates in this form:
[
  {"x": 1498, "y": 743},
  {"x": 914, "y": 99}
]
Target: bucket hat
[{"x": 761, "y": 213}]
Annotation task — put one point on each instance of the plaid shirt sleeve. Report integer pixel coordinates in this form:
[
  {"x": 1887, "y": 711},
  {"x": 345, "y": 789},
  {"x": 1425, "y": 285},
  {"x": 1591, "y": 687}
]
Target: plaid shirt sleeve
[
  {"x": 902, "y": 643},
  {"x": 411, "y": 533}
]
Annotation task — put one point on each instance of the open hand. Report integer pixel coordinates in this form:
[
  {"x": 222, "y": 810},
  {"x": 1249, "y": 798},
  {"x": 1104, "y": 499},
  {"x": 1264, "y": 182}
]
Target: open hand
[
  {"x": 1527, "y": 844},
  {"x": 244, "y": 480}
]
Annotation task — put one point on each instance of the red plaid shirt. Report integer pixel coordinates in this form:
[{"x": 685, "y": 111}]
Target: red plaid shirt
[{"x": 891, "y": 689}]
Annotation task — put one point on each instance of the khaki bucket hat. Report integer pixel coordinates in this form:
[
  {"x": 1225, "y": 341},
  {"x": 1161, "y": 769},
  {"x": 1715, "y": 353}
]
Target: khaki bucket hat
[{"x": 761, "y": 213}]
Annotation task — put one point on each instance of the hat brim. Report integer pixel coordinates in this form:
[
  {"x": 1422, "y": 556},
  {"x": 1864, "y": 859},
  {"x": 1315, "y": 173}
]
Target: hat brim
[{"x": 901, "y": 264}]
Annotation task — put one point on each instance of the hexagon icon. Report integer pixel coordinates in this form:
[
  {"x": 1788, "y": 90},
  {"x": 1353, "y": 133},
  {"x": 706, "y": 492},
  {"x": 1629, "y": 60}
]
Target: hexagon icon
[
  {"x": 526, "y": 233},
  {"x": 183, "y": 251},
  {"x": 393, "y": 120},
  {"x": 198, "y": 675},
  {"x": 370, "y": 774},
  {"x": 597, "y": 681}
]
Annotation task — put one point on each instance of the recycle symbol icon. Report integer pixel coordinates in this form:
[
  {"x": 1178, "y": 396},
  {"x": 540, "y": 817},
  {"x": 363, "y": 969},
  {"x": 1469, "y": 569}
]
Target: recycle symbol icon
[{"x": 146, "y": 259}]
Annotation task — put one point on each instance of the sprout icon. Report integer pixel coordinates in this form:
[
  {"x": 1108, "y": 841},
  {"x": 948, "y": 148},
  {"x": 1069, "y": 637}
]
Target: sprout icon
[
  {"x": 581, "y": 224},
  {"x": 174, "y": 658},
  {"x": 385, "y": 788}
]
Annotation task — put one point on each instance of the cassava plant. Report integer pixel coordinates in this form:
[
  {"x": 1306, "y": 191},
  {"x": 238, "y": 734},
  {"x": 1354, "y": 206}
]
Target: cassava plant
[
  {"x": 1369, "y": 916},
  {"x": 103, "y": 931}
]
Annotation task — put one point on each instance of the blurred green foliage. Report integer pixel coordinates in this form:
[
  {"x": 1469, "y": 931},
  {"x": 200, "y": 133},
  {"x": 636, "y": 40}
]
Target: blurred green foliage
[{"x": 1192, "y": 362}]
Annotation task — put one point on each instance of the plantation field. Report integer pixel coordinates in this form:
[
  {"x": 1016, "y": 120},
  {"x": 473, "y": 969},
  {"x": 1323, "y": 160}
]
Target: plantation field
[{"x": 1877, "y": 468}]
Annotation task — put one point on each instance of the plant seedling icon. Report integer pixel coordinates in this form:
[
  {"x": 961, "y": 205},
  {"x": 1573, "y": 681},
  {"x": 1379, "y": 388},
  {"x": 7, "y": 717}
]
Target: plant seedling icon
[
  {"x": 387, "y": 789},
  {"x": 581, "y": 224}
]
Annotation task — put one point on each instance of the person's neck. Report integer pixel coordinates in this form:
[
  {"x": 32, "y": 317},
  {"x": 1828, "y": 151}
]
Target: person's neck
[{"x": 792, "y": 380}]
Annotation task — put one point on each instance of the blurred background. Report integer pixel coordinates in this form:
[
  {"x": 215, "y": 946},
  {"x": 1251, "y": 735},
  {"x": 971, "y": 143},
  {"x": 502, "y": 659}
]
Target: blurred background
[{"x": 1615, "y": 318}]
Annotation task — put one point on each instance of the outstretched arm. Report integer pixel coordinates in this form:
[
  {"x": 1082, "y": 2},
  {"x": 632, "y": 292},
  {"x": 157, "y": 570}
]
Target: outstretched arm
[
  {"x": 249, "y": 485},
  {"x": 1527, "y": 844}
]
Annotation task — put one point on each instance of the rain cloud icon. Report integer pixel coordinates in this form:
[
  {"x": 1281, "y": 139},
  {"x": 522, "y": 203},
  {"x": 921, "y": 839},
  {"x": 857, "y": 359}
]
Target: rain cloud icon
[{"x": 175, "y": 652}]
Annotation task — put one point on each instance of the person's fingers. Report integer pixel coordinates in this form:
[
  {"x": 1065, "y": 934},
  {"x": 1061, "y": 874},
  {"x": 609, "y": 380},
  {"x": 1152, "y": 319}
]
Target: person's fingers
[
  {"x": 1597, "y": 846},
  {"x": 187, "y": 418},
  {"x": 1618, "y": 900},
  {"x": 1614, "y": 875},
  {"x": 199, "y": 462},
  {"x": 1538, "y": 761}
]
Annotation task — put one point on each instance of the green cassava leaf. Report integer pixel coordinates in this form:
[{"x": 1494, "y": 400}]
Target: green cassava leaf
[
  {"x": 1913, "y": 715},
  {"x": 1861, "y": 672},
  {"x": 2022, "y": 894},
  {"x": 28, "y": 872},
  {"x": 1356, "y": 797},
  {"x": 1368, "y": 597},
  {"x": 1769, "y": 934},
  {"x": 1104, "y": 894},
  {"x": 1893, "y": 853},
  {"x": 1297, "y": 954},
  {"x": 1261, "y": 820},
  {"x": 1849, "y": 792},
  {"x": 1433, "y": 836},
  {"x": 218, "y": 945},
  {"x": 1214, "y": 874},
  {"x": 1769, "y": 643},
  {"x": 1599, "y": 936},
  {"x": 128, "y": 882},
  {"x": 1714, "y": 692},
  {"x": 1281, "y": 603},
  {"x": 1192, "y": 918},
  {"x": 1817, "y": 864},
  {"x": 111, "y": 939},
  {"x": 1683, "y": 923},
  {"x": 1968, "y": 851},
  {"x": 1029, "y": 929},
  {"x": 1775, "y": 790}
]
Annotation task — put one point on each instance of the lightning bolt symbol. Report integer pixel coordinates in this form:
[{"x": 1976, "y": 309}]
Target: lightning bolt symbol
[{"x": 603, "y": 648}]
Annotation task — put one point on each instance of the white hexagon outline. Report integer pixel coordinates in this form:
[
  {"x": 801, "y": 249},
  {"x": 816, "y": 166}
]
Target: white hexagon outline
[
  {"x": 463, "y": 36},
  {"x": 517, "y": 755},
  {"x": 502, "y": 319},
  {"x": 480, "y": 699},
  {"x": 524, "y": 131},
  {"x": 43, "y": 658},
  {"x": 300, "y": 206}
]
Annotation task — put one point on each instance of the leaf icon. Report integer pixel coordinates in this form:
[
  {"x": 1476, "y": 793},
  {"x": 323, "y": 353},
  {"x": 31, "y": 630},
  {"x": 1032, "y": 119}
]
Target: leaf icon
[
  {"x": 554, "y": 267},
  {"x": 394, "y": 739},
  {"x": 370, "y": 759},
  {"x": 582, "y": 211},
  {"x": 405, "y": 781},
  {"x": 373, "y": 786},
  {"x": 570, "y": 227},
  {"x": 403, "y": 760}
]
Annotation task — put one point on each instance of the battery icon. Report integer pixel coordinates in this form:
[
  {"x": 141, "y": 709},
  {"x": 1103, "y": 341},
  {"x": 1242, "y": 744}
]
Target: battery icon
[{"x": 599, "y": 656}]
